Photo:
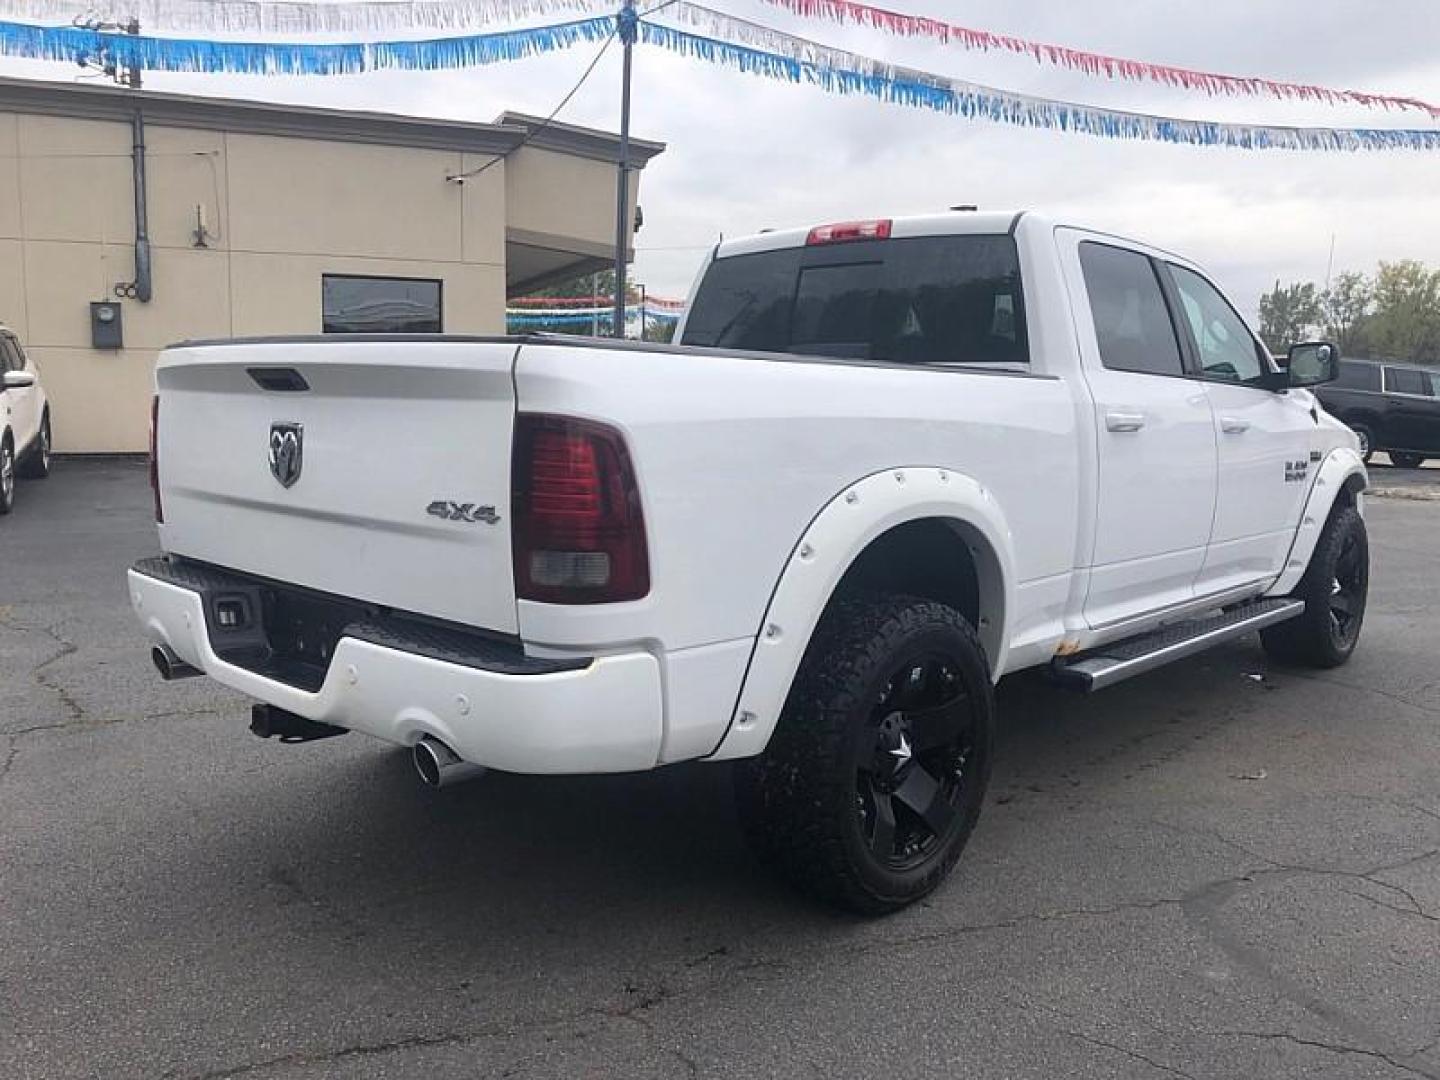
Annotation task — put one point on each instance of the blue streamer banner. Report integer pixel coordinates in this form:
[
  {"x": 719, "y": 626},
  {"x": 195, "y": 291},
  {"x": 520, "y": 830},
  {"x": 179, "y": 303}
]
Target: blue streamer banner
[
  {"x": 279, "y": 18},
  {"x": 569, "y": 318},
  {"x": 75, "y": 44},
  {"x": 797, "y": 60},
  {"x": 750, "y": 48}
]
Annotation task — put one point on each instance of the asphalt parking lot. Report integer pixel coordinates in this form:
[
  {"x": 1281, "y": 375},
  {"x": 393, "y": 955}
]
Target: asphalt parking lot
[{"x": 1217, "y": 870}]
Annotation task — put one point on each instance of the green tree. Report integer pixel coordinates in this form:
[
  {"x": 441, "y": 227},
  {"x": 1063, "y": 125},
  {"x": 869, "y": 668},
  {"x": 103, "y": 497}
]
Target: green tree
[
  {"x": 1288, "y": 313},
  {"x": 1406, "y": 321},
  {"x": 1344, "y": 308}
]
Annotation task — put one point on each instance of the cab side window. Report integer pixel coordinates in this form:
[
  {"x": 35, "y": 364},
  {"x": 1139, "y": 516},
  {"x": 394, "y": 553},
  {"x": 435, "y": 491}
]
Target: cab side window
[
  {"x": 1223, "y": 342},
  {"x": 1355, "y": 376},
  {"x": 1406, "y": 381},
  {"x": 1132, "y": 321},
  {"x": 9, "y": 356}
]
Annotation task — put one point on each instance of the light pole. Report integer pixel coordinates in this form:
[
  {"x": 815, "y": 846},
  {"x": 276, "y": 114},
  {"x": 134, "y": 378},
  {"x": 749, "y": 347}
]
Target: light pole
[{"x": 626, "y": 25}]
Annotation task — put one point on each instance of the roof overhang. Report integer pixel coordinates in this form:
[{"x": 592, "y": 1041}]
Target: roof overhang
[
  {"x": 255, "y": 117},
  {"x": 579, "y": 141}
]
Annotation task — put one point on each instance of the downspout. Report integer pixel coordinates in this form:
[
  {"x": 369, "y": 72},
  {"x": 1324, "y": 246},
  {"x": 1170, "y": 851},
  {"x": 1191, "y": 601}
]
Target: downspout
[{"x": 142, "y": 231}]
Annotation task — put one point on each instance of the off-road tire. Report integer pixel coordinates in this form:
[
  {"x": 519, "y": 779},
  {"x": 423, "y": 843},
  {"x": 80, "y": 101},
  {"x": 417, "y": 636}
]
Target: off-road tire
[
  {"x": 1403, "y": 460},
  {"x": 799, "y": 802},
  {"x": 1317, "y": 637},
  {"x": 35, "y": 465}
]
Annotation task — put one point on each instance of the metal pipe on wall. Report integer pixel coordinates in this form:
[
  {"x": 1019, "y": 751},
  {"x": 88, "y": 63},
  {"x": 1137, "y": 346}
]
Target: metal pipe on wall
[{"x": 142, "y": 281}]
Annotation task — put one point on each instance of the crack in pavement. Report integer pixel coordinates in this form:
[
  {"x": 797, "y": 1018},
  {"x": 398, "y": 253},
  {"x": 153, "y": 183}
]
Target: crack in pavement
[
  {"x": 890, "y": 944},
  {"x": 37, "y": 673},
  {"x": 409, "y": 1042},
  {"x": 420, "y": 1042},
  {"x": 1334, "y": 1048},
  {"x": 1202, "y": 907},
  {"x": 284, "y": 878},
  {"x": 1404, "y": 1063},
  {"x": 692, "y": 1067},
  {"x": 1429, "y": 710},
  {"x": 647, "y": 995},
  {"x": 1135, "y": 1054},
  {"x": 1400, "y": 804},
  {"x": 1361, "y": 875},
  {"x": 170, "y": 714},
  {"x": 12, "y": 748},
  {"x": 1026, "y": 1005},
  {"x": 1217, "y": 836},
  {"x": 1413, "y": 912}
]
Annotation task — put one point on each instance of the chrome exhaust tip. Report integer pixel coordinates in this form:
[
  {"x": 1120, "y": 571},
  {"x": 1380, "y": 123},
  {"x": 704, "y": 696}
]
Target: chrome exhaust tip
[
  {"x": 170, "y": 666},
  {"x": 439, "y": 766}
]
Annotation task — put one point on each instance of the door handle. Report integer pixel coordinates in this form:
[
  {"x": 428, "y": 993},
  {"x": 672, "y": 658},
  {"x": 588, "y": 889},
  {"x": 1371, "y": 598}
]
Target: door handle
[
  {"x": 1124, "y": 421},
  {"x": 1233, "y": 425}
]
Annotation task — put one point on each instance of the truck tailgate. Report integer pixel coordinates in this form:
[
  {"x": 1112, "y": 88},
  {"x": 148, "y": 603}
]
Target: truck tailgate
[{"x": 392, "y": 475}]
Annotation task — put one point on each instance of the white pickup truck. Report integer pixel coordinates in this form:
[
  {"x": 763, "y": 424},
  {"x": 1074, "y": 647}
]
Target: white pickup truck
[{"x": 890, "y": 462}]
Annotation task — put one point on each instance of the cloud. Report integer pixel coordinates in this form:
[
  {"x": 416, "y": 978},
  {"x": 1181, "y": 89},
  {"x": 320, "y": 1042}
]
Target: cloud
[{"x": 745, "y": 153}]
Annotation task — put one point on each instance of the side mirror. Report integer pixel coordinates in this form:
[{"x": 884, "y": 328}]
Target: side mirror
[
  {"x": 18, "y": 380},
  {"x": 1311, "y": 363}
]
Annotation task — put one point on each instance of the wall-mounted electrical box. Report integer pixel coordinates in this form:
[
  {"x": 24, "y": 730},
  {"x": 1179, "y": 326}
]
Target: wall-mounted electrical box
[{"x": 105, "y": 325}]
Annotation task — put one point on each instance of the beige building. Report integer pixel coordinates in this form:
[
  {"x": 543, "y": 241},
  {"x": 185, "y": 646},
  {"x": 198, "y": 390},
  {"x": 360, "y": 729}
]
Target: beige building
[{"x": 269, "y": 219}]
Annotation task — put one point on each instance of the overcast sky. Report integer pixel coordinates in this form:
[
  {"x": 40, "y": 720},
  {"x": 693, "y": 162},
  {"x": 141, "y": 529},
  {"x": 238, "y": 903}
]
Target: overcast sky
[{"x": 746, "y": 153}]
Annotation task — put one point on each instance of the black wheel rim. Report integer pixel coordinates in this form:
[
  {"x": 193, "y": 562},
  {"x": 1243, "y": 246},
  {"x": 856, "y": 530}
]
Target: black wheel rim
[
  {"x": 1347, "y": 591},
  {"x": 915, "y": 758},
  {"x": 7, "y": 474}
]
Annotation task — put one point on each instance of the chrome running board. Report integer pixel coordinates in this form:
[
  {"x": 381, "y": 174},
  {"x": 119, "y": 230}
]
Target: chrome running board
[{"x": 1109, "y": 664}]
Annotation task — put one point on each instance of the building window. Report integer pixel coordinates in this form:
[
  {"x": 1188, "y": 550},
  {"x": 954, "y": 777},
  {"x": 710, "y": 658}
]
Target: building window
[{"x": 378, "y": 305}]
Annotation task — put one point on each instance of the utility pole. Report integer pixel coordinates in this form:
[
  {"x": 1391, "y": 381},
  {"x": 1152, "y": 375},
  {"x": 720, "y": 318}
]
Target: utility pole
[{"x": 627, "y": 25}]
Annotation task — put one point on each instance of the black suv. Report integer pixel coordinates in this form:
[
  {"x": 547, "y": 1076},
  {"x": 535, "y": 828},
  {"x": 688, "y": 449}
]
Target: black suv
[{"x": 1392, "y": 407}]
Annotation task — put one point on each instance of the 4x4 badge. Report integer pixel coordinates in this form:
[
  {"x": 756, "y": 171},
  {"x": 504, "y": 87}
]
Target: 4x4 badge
[
  {"x": 450, "y": 511},
  {"x": 287, "y": 451}
]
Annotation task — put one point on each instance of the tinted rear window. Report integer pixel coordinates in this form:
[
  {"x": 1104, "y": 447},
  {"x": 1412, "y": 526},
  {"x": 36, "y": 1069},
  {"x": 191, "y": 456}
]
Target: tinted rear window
[
  {"x": 1355, "y": 376},
  {"x": 930, "y": 300}
]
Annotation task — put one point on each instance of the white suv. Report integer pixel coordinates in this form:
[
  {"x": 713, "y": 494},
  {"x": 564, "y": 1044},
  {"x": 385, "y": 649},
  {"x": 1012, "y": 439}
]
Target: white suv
[{"x": 24, "y": 421}]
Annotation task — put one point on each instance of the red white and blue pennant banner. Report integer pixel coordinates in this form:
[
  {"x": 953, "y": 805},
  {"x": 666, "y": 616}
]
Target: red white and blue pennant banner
[
  {"x": 1091, "y": 63},
  {"x": 439, "y": 16},
  {"x": 762, "y": 50},
  {"x": 711, "y": 36}
]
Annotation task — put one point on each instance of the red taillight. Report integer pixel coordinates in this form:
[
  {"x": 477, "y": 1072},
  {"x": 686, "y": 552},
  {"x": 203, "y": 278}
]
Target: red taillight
[
  {"x": 579, "y": 536},
  {"x": 155, "y": 457},
  {"x": 843, "y": 231}
]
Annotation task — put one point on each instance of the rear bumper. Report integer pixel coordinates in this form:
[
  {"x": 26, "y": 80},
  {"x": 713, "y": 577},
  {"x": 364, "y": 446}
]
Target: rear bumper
[{"x": 605, "y": 716}]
